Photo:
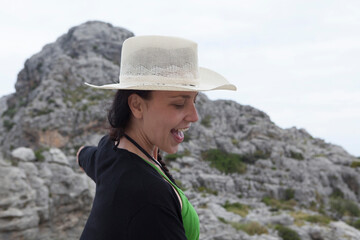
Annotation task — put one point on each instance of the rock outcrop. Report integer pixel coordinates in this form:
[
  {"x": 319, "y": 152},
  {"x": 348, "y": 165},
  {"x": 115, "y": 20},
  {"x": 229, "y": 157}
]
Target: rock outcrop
[
  {"x": 244, "y": 175},
  {"x": 52, "y": 106}
]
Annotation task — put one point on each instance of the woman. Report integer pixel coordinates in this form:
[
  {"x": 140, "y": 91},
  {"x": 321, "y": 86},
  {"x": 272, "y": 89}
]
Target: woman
[{"x": 136, "y": 197}]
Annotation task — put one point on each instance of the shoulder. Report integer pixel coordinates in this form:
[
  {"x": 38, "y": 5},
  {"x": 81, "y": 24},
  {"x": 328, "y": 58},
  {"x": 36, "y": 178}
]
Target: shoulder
[
  {"x": 142, "y": 182},
  {"x": 143, "y": 178}
]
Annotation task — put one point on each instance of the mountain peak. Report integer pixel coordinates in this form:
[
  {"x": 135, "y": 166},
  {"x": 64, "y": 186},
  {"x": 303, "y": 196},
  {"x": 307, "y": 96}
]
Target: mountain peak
[{"x": 51, "y": 101}]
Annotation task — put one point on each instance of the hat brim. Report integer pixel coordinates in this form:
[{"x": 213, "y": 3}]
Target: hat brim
[{"x": 209, "y": 80}]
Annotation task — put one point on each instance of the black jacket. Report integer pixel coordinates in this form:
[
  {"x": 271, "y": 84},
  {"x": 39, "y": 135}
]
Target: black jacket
[{"x": 132, "y": 199}]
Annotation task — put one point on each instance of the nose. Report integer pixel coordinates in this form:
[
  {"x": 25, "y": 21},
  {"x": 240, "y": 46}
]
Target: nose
[{"x": 192, "y": 115}]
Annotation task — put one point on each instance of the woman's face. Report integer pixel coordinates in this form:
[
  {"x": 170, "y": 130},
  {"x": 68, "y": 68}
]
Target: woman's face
[{"x": 167, "y": 115}]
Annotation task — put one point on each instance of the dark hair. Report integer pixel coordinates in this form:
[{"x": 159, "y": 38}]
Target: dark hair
[{"x": 120, "y": 113}]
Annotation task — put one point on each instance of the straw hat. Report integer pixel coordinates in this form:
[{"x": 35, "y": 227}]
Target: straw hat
[{"x": 164, "y": 63}]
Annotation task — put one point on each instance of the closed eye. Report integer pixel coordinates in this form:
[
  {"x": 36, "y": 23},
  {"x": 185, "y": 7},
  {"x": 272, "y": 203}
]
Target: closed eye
[{"x": 178, "y": 106}]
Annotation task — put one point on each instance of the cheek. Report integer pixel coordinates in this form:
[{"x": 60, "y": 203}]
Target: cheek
[
  {"x": 158, "y": 128},
  {"x": 159, "y": 123}
]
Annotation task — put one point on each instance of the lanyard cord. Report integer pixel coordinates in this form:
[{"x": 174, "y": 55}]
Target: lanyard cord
[
  {"x": 150, "y": 157},
  {"x": 142, "y": 150}
]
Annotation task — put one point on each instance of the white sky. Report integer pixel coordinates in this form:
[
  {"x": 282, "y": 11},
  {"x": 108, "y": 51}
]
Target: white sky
[{"x": 295, "y": 60}]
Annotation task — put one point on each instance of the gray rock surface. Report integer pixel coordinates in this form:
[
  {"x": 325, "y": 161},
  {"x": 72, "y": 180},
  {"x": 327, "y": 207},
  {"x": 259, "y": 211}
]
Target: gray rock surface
[
  {"x": 23, "y": 154},
  {"x": 289, "y": 175}
]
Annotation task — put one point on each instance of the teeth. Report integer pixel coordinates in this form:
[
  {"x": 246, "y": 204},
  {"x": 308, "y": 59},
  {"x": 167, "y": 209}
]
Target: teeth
[{"x": 182, "y": 129}]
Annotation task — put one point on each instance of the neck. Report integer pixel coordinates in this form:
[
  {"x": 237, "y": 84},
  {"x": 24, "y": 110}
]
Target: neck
[{"x": 131, "y": 147}]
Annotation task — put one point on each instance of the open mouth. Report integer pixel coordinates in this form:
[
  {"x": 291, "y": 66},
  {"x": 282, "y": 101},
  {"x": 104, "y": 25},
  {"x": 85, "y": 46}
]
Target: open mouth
[{"x": 179, "y": 134}]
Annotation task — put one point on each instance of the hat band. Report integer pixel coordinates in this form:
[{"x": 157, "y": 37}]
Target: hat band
[{"x": 152, "y": 80}]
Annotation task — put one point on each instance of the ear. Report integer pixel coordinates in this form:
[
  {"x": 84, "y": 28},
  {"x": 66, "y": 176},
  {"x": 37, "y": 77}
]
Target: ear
[{"x": 136, "y": 105}]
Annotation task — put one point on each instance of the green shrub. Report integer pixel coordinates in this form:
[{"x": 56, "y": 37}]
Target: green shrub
[
  {"x": 206, "y": 121},
  {"x": 277, "y": 205},
  {"x": 340, "y": 207},
  {"x": 50, "y": 100},
  {"x": 38, "y": 67},
  {"x": 231, "y": 162},
  {"x": 296, "y": 155},
  {"x": 251, "y": 122},
  {"x": 356, "y": 224},
  {"x": 258, "y": 154},
  {"x": 355, "y": 164},
  {"x": 300, "y": 217},
  {"x": 251, "y": 228},
  {"x": 286, "y": 233},
  {"x": 267, "y": 200},
  {"x": 320, "y": 219},
  {"x": 22, "y": 102},
  {"x": 8, "y": 125},
  {"x": 235, "y": 142},
  {"x": 337, "y": 193},
  {"x": 237, "y": 208},
  {"x": 186, "y": 137},
  {"x": 173, "y": 156},
  {"x": 44, "y": 111},
  {"x": 313, "y": 206},
  {"x": 222, "y": 220},
  {"x": 289, "y": 194},
  {"x": 10, "y": 112},
  {"x": 39, "y": 156},
  {"x": 84, "y": 107},
  {"x": 207, "y": 190},
  {"x": 224, "y": 162}
]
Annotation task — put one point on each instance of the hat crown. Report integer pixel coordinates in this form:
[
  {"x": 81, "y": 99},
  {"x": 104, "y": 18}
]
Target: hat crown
[
  {"x": 162, "y": 60},
  {"x": 164, "y": 63}
]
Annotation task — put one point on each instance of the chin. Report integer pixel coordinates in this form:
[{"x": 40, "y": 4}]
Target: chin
[{"x": 171, "y": 150}]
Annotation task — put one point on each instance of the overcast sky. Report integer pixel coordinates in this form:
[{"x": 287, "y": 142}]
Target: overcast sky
[{"x": 298, "y": 61}]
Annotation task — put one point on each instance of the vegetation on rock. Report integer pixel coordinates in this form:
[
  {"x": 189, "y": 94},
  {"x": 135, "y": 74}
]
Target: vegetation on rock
[
  {"x": 277, "y": 205},
  {"x": 237, "y": 208},
  {"x": 206, "y": 121},
  {"x": 203, "y": 189},
  {"x": 355, "y": 164},
  {"x": 296, "y": 155},
  {"x": 287, "y": 233},
  {"x": 251, "y": 228},
  {"x": 225, "y": 162}
]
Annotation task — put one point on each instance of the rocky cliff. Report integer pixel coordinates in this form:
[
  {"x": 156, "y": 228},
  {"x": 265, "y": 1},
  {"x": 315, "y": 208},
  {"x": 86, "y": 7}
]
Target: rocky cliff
[{"x": 247, "y": 178}]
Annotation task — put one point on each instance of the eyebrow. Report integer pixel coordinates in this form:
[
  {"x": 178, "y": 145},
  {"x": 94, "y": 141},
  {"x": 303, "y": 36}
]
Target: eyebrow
[{"x": 184, "y": 96}]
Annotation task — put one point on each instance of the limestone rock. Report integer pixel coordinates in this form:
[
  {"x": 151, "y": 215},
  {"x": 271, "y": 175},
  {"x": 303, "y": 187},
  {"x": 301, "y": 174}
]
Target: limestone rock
[
  {"x": 41, "y": 200},
  {"x": 46, "y": 196},
  {"x": 51, "y": 104},
  {"x": 23, "y": 154}
]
